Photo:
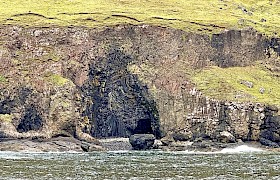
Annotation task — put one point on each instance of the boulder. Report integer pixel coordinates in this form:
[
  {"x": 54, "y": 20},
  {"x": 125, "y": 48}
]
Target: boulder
[
  {"x": 268, "y": 143},
  {"x": 88, "y": 147},
  {"x": 247, "y": 83},
  {"x": 180, "y": 137},
  {"x": 142, "y": 141},
  {"x": 270, "y": 135},
  {"x": 167, "y": 140},
  {"x": 226, "y": 137}
]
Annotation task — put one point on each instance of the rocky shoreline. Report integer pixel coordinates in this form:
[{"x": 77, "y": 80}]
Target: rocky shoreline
[
  {"x": 58, "y": 144},
  {"x": 70, "y": 144}
]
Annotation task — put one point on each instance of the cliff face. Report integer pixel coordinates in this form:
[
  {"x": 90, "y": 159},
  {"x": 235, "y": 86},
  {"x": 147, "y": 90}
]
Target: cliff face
[{"x": 123, "y": 80}]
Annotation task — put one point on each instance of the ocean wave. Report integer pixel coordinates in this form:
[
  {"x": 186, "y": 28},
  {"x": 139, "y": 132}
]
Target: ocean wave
[{"x": 241, "y": 149}]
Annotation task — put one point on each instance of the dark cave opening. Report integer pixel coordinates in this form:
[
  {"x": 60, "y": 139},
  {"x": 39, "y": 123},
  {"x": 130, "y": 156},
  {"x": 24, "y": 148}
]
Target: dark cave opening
[
  {"x": 144, "y": 126},
  {"x": 30, "y": 121},
  {"x": 116, "y": 101}
]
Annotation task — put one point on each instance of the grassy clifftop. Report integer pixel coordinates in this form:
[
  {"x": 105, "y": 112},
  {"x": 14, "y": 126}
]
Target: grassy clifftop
[{"x": 203, "y": 15}]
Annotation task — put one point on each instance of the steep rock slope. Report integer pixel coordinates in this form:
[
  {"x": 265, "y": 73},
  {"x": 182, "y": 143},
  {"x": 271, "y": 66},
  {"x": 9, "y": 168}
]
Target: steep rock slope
[{"x": 123, "y": 80}]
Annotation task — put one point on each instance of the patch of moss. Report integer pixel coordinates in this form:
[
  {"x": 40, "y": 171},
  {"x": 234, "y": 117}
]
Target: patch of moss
[
  {"x": 56, "y": 79},
  {"x": 230, "y": 84},
  {"x": 6, "y": 117},
  {"x": 207, "y": 16},
  {"x": 2, "y": 79}
]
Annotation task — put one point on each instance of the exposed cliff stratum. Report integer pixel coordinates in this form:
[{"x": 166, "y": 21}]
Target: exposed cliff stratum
[{"x": 138, "y": 79}]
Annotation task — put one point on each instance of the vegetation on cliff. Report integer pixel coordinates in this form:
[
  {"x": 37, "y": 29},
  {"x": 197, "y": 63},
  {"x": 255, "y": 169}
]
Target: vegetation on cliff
[
  {"x": 194, "y": 16},
  {"x": 2, "y": 79},
  {"x": 250, "y": 84},
  {"x": 129, "y": 79},
  {"x": 199, "y": 16},
  {"x": 57, "y": 80}
]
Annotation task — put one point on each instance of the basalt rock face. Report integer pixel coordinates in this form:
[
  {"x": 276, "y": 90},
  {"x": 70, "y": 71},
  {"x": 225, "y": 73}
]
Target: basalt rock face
[
  {"x": 122, "y": 80},
  {"x": 270, "y": 129},
  {"x": 119, "y": 103},
  {"x": 207, "y": 118}
]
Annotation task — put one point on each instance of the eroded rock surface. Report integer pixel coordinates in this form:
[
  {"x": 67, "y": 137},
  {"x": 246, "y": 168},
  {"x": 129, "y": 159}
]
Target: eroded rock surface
[{"x": 123, "y": 80}]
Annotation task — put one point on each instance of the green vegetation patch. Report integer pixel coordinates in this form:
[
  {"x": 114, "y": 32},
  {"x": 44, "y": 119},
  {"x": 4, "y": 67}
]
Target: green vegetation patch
[
  {"x": 2, "y": 79},
  {"x": 6, "y": 117},
  {"x": 250, "y": 84},
  {"x": 199, "y": 16},
  {"x": 56, "y": 79}
]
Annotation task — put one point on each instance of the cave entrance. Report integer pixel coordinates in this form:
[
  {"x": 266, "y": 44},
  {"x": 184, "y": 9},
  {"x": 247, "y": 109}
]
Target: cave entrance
[
  {"x": 117, "y": 103},
  {"x": 144, "y": 126},
  {"x": 30, "y": 121}
]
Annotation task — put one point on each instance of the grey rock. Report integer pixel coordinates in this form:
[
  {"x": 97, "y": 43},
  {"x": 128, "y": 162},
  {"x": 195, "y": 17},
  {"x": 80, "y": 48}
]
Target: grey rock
[
  {"x": 142, "y": 141},
  {"x": 180, "y": 137},
  {"x": 247, "y": 83},
  {"x": 58, "y": 144},
  {"x": 262, "y": 90},
  {"x": 87, "y": 147},
  {"x": 270, "y": 129},
  {"x": 269, "y": 143},
  {"x": 226, "y": 137},
  {"x": 116, "y": 144},
  {"x": 167, "y": 140}
]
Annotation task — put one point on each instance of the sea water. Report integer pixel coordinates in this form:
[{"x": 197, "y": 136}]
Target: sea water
[{"x": 238, "y": 163}]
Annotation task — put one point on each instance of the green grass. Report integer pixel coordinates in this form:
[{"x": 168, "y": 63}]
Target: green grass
[
  {"x": 2, "y": 79},
  {"x": 56, "y": 79},
  {"x": 224, "y": 83},
  {"x": 200, "y": 16}
]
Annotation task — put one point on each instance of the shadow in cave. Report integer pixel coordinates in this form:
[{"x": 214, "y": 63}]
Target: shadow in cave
[
  {"x": 30, "y": 121},
  {"x": 115, "y": 101}
]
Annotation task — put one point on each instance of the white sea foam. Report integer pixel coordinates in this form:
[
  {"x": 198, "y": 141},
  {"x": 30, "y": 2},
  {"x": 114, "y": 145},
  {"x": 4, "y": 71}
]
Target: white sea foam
[
  {"x": 240, "y": 149},
  {"x": 9, "y": 155},
  {"x": 120, "y": 151},
  {"x": 34, "y": 155},
  {"x": 237, "y": 149}
]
